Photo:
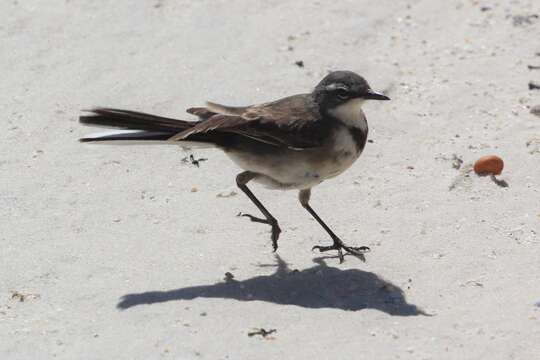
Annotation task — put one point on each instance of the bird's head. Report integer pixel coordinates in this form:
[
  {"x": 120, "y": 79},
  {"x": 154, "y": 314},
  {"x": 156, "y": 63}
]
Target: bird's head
[{"x": 340, "y": 87}]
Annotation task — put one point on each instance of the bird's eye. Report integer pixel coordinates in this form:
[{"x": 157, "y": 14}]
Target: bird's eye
[{"x": 342, "y": 94}]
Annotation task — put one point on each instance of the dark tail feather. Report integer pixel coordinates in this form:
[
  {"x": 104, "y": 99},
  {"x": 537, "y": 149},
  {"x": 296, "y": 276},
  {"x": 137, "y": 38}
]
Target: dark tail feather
[
  {"x": 128, "y": 135},
  {"x": 125, "y": 119},
  {"x": 135, "y": 126}
]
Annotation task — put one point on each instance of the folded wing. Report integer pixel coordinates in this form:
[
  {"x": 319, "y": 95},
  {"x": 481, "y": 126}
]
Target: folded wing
[{"x": 294, "y": 122}]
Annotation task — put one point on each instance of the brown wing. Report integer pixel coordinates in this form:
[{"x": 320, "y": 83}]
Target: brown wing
[
  {"x": 294, "y": 122},
  {"x": 211, "y": 109}
]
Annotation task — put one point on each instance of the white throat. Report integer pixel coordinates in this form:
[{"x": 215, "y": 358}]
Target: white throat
[{"x": 350, "y": 113}]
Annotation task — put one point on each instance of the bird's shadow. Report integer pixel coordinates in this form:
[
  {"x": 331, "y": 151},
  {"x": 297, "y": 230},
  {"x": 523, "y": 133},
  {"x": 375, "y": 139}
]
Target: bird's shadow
[{"x": 320, "y": 286}]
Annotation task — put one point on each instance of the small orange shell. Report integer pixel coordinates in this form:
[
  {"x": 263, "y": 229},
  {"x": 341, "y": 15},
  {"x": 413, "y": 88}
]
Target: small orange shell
[{"x": 490, "y": 164}]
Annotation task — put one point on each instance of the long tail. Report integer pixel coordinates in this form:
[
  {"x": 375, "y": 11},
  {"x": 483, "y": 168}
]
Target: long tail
[{"x": 133, "y": 127}]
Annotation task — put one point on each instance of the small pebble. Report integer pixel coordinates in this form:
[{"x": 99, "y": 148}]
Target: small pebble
[
  {"x": 534, "y": 85},
  {"x": 490, "y": 164},
  {"x": 226, "y": 194},
  {"x": 535, "y": 110}
]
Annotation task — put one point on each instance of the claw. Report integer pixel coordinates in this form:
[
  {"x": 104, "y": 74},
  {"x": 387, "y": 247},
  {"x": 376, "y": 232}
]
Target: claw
[
  {"x": 275, "y": 236},
  {"x": 357, "y": 250},
  {"x": 339, "y": 246},
  {"x": 255, "y": 219},
  {"x": 276, "y": 230}
]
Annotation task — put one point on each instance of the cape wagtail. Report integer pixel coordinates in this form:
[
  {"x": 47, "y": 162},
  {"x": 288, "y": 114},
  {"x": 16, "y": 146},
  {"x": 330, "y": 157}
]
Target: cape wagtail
[{"x": 293, "y": 143}]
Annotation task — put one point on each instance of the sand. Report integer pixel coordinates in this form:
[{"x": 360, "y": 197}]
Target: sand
[{"x": 122, "y": 252}]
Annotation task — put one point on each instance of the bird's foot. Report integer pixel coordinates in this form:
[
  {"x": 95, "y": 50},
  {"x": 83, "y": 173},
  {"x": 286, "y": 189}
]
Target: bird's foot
[
  {"x": 272, "y": 222},
  {"x": 340, "y": 247}
]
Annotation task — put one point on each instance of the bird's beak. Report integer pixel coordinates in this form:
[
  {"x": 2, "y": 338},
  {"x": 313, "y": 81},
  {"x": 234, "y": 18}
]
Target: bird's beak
[{"x": 372, "y": 95}]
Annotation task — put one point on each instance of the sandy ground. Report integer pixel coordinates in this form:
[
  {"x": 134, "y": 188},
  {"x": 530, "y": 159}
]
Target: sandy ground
[{"x": 121, "y": 252}]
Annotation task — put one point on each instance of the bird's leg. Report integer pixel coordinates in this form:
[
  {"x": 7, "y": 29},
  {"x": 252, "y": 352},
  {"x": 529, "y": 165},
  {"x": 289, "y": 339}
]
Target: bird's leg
[
  {"x": 338, "y": 245},
  {"x": 241, "y": 180}
]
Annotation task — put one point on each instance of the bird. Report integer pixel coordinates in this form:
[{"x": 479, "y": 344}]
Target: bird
[{"x": 294, "y": 143}]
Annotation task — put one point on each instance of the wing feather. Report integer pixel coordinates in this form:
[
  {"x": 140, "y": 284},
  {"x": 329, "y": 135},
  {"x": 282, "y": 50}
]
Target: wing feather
[{"x": 294, "y": 122}]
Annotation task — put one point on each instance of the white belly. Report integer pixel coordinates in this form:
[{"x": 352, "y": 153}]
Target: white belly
[{"x": 301, "y": 169}]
